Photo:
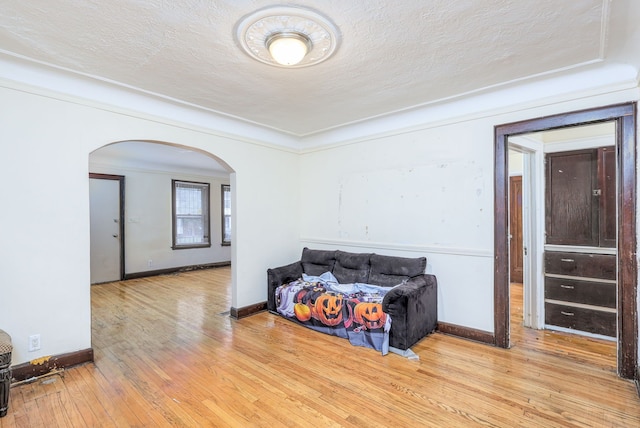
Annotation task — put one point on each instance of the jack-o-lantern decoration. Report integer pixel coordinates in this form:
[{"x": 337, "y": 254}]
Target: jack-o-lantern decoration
[
  {"x": 329, "y": 309},
  {"x": 308, "y": 296},
  {"x": 370, "y": 315}
]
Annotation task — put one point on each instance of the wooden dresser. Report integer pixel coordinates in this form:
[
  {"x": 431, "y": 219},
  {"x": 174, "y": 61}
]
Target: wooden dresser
[
  {"x": 580, "y": 292},
  {"x": 580, "y": 262}
]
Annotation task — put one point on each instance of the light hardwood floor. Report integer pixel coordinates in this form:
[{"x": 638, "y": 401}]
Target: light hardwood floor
[{"x": 168, "y": 354}]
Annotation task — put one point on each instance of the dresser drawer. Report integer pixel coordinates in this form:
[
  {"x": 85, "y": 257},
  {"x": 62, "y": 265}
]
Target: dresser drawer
[
  {"x": 601, "y": 266},
  {"x": 589, "y": 320},
  {"x": 586, "y": 292}
]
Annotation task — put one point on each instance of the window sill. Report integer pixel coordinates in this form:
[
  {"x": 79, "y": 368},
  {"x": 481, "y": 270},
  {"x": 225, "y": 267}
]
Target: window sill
[{"x": 189, "y": 247}]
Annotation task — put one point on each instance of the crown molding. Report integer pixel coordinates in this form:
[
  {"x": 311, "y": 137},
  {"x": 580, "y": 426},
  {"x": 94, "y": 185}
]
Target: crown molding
[
  {"x": 24, "y": 74},
  {"x": 543, "y": 91},
  {"x": 20, "y": 73}
]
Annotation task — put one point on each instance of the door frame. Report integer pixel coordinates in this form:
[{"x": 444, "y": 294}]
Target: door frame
[
  {"x": 624, "y": 115},
  {"x": 120, "y": 178}
]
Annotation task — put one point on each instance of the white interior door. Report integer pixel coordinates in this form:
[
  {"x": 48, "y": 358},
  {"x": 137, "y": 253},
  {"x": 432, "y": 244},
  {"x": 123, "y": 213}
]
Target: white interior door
[
  {"x": 104, "y": 200},
  {"x": 532, "y": 228}
]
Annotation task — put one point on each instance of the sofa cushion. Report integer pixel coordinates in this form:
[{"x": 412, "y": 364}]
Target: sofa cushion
[
  {"x": 317, "y": 262},
  {"x": 390, "y": 271},
  {"x": 351, "y": 267}
]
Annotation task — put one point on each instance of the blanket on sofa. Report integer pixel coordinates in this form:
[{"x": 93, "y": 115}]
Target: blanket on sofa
[{"x": 351, "y": 311}]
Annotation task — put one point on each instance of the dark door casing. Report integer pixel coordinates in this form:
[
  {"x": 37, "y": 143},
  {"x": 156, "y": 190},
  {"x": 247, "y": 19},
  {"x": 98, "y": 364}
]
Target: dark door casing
[{"x": 624, "y": 117}]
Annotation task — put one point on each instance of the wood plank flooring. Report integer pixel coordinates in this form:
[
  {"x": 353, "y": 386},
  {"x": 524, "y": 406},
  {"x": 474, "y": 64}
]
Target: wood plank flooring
[{"x": 168, "y": 354}]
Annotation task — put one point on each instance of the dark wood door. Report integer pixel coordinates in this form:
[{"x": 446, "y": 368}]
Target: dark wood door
[
  {"x": 515, "y": 229},
  {"x": 581, "y": 198},
  {"x": 572, "y": 207}
]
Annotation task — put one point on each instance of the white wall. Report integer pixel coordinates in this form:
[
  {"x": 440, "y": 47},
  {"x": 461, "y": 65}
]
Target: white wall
[
  {"x": 425, "y": 191},
  {"x": 44, "y": 270},
  {"x": 421, "y": 193},
  {"x": 148, "y": 220},
  {"x": 516, "y": 165}
]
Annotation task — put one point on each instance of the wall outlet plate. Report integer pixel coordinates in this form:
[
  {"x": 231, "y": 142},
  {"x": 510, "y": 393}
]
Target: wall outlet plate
[{"x": 34, "y": 342}]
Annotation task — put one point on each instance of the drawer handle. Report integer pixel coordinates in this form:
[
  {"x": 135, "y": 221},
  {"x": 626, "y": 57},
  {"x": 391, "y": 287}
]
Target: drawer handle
[
  {"x": 567, "y": 260},
  {"x": 569, "y": 314},
  {"x": 570, "y": 287}
]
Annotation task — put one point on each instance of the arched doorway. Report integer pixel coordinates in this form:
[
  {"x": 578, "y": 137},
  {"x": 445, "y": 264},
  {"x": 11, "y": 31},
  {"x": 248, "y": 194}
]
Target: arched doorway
[
  {"x": 147, "y": 171},
  {"x": 147, "y": 168}
]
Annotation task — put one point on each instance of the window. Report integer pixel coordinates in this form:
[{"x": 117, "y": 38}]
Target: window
[
  {"x": 226, "y": 214},
  {"x": 190, "y": 214}
]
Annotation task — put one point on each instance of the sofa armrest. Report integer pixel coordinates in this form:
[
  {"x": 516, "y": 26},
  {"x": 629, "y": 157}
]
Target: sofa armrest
[
  {"x": 279, "y": 276},
  {"x": 413, "y": 307}
]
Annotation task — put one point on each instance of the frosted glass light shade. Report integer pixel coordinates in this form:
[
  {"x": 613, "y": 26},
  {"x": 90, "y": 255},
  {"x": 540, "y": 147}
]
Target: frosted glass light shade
[{"x": 288, "y": 48}]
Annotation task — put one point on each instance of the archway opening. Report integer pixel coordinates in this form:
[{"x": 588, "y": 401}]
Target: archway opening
[{"x": 171, "y": 212}]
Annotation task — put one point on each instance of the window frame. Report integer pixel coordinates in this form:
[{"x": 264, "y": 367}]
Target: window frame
[
  {"x": 206, "y": 217},
  {"x": 224, "y": 189}
]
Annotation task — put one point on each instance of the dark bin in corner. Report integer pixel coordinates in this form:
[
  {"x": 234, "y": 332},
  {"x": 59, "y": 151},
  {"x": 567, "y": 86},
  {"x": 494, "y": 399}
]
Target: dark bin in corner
[{"x": 5, "y": 371}]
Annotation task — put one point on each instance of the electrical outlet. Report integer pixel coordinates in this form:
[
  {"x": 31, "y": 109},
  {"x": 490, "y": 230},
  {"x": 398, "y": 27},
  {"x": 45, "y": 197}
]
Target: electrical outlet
[
  {"x": 34, "y": 342},
  {"x": 150, "y": 263}
]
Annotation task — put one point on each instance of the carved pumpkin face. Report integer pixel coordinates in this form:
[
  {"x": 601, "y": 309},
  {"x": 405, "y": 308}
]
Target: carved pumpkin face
[
  {"x": 370, "y": 315},
  {"x": 329, "y": 309}
]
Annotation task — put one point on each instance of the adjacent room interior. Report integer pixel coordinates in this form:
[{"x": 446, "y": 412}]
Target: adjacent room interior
[{"x": 583, "y": 147}]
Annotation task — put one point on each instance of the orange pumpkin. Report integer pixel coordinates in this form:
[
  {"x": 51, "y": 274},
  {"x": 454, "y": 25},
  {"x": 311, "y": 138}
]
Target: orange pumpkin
[
  {"x": 307, "y": 296},
  {"x": 302, "y": 312},
  {"x": 370, "y": 315},
  {"x": 329, "y": 309}
]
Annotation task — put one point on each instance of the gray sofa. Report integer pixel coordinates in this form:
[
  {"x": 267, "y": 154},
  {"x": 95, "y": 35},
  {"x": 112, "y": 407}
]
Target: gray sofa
[{"x": 412, "y": 305}]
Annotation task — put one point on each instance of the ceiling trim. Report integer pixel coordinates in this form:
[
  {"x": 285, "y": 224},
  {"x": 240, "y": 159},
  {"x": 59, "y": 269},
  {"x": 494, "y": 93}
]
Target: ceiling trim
[
  {"x": 23, "y": 74},
  {"x": 65, "y": 85},
  {"x": 611, "y": 79},
  {"x": 465, "y": 95}
]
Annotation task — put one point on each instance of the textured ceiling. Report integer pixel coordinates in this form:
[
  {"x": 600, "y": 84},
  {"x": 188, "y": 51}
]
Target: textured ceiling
[{"x": 393, "y": 55}]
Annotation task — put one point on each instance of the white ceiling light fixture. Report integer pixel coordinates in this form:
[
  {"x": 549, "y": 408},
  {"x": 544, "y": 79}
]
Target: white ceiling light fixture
[
  {"x": 288, "y": 48},
  {"x": 287, "y": 36}
]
